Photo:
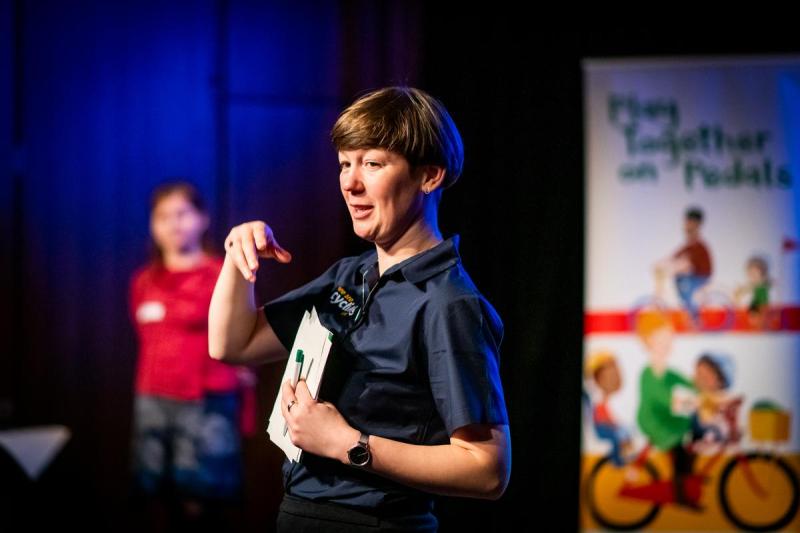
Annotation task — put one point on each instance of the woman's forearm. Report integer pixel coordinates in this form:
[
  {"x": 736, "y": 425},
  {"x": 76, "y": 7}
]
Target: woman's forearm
[
  {"x": 232, "y": 313},
  {"x": 446, "y": 469},
  {"x": 476, "y": 463}
]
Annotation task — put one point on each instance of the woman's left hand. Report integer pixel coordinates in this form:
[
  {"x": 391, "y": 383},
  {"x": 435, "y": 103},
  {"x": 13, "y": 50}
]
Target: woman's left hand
[{"x": 316, "y": 427}]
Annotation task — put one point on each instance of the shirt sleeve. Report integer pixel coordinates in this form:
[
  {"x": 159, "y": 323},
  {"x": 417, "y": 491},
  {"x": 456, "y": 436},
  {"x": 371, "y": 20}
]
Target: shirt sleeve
[
  {"x": 463, "y": 340},
  {"x": 285, "y": 312}
]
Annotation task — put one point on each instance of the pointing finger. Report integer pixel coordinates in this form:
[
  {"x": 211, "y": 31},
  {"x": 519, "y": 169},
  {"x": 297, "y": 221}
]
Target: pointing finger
[{"x": 280, "y": 253}]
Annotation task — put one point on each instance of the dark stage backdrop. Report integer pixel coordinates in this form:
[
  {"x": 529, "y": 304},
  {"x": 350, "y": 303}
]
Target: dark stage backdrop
[{"x": 100, "y": 101}]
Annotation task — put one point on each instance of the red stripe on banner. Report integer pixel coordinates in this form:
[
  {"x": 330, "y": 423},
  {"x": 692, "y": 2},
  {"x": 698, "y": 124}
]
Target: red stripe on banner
[{"x": 772, "y": 319}]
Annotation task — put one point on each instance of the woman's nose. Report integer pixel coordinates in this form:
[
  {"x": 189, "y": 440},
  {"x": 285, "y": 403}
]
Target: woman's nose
[{"x": 351, "y": 179}]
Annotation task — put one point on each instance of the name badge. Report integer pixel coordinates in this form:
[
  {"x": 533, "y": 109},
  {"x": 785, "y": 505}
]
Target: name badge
[{"x": 151, "y": 311}]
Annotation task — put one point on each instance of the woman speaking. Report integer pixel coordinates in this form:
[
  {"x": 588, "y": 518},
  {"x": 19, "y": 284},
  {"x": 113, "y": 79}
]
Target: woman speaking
[{"x": 411, "y": 404}]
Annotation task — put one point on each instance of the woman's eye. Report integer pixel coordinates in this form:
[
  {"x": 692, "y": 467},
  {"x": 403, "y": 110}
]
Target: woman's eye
[{"x": 377, "y": 165}]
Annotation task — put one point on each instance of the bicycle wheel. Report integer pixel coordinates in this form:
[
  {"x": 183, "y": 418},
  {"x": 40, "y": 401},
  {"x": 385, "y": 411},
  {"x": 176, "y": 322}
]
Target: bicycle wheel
[
  {"x": 773, "y": 318},
  {"x": 716, "y": 311},
  {"x": 611, "y": 510},
  {"x": 745, "y": 505}
]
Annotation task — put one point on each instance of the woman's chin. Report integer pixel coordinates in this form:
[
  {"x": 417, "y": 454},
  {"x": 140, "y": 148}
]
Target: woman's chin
[{"x": 363, "y": 233}]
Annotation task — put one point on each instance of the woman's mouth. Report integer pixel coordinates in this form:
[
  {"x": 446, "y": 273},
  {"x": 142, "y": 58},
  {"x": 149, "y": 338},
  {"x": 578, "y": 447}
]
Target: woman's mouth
[{"x": 361, "y": 211}]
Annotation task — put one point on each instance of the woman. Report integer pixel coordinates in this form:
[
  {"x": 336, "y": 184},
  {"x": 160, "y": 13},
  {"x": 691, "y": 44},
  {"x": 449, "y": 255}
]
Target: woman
[
  {"x": 186, "y": 405},
  {"x": 411, "y": 404}
]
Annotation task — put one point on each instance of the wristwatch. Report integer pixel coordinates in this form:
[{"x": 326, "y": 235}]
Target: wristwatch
[{"x": 359, "y": 454}]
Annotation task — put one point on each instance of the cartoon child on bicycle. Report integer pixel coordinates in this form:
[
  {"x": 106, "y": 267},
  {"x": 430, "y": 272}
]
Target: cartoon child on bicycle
[
  {"x": 603, "y": 371},
  {"x": 711, "y": 422},
  {"x": 691, "y": 265},
  {"x": 757, "y": 490},
  {"x": 757, "y": 287},
  {"x": 666, "y": 400}
]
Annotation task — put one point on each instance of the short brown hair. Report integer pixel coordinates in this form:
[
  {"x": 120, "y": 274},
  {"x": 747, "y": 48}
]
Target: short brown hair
[
  {"x": 404, "y": 120},
  {"x": 760, "y": 263}
]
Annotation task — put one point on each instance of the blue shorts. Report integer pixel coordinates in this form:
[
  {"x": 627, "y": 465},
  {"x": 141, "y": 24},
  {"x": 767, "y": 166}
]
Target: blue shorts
[{"x": 190, "y": 447}]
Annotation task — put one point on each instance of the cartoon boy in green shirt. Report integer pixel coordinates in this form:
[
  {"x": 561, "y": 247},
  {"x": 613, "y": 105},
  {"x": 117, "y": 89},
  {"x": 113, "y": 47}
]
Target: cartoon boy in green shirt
[{"x": 663, "y": 416}]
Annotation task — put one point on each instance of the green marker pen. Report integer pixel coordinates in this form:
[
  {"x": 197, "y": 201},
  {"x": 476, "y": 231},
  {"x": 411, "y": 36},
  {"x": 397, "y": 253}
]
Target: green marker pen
[{"x": 298, "y": 367}]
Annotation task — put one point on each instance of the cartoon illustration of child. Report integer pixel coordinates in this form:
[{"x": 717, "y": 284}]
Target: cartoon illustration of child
[
  {"x": 602, "y": 369},
  {"x": 666, "y": 399},
  {"x": 758, "y": 286},
  {"x": 691, "y": 264},
  {"x": 713, "y": 378}
]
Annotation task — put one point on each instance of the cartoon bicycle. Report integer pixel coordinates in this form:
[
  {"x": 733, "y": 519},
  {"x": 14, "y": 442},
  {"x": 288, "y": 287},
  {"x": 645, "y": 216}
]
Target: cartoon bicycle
[
  {"x": 757, "y": 490},
  {"x": 714, "y": 308}
]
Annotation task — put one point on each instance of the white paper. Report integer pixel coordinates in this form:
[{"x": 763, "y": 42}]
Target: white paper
[
  {"x": 684, "y": 400},
  {"x": 315, "y": 341}
]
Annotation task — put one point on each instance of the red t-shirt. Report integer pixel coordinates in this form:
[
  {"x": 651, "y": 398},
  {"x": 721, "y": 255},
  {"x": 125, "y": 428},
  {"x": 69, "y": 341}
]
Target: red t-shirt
[
  {"x": 602, "y": 415},
  {"x": 699, "y": 257},
  {"x": 170, "y": 312}
]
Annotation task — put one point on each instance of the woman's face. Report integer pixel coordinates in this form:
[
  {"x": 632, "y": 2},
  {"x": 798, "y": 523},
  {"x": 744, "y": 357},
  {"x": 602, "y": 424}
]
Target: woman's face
[
  {"x": 176, "y": 225},
  {"x": 383, "y": 197}
]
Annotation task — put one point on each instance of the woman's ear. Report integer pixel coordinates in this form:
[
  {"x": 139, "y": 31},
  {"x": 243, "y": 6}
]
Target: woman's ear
[{"x": 432, "y": 177}]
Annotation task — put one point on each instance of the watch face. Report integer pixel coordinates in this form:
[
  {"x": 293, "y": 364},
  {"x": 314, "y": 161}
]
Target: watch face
[{"x": 359, "y": 455}]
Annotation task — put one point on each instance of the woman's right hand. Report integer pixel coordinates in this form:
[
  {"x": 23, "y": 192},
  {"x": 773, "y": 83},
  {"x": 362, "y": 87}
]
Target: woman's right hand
[{"x": 249, "y": 241}]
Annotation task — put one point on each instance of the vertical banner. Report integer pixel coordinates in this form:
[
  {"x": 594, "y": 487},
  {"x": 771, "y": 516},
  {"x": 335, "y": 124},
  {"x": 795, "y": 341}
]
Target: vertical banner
[{"x": 692, "y": 308}]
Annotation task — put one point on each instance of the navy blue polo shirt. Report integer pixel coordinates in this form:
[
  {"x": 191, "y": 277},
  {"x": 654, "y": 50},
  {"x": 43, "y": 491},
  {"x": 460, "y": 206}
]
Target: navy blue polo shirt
[{"x": 415, "y": 356}]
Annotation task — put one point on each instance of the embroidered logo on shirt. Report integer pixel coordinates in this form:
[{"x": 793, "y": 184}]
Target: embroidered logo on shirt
[
  {"x": 151, "y": 311},
  {"x": 344, "y": 301}
]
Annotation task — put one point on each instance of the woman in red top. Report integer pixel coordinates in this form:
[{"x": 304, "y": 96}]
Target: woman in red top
[{"x": 187, "y": 406}]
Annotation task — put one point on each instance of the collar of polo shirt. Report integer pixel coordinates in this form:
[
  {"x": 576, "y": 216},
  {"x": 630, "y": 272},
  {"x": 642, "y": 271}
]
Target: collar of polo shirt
[{"x": 423, "y": 265}]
